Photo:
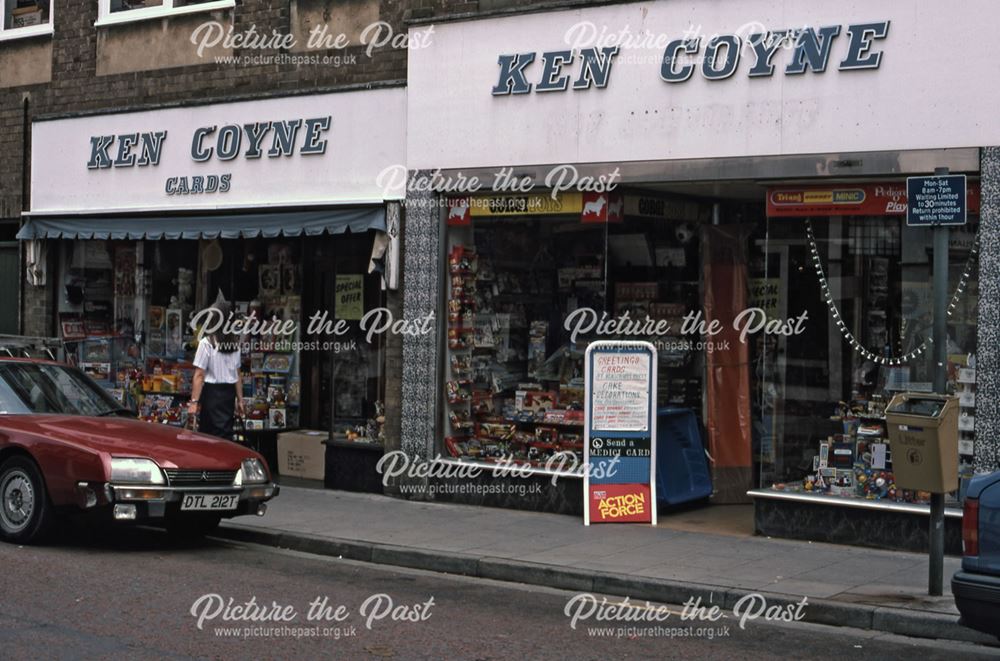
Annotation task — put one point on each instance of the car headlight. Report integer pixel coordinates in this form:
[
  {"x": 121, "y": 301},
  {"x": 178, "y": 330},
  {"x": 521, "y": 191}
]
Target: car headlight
[
  {"x": 252, "y": 471},
  {"x": 141, "y": 471}
]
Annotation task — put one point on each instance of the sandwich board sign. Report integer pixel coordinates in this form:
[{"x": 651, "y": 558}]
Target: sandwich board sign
[{"x": 619, "y": 451}]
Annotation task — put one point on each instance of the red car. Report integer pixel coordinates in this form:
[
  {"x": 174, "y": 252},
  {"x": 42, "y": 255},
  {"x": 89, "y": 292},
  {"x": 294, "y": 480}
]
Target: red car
[{"x": 66, "y": 445}]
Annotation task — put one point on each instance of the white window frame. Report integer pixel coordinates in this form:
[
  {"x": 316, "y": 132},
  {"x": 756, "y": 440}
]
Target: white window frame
[
  {"x": 7, "y": 34},
  {"x": 106, "y": 17}
]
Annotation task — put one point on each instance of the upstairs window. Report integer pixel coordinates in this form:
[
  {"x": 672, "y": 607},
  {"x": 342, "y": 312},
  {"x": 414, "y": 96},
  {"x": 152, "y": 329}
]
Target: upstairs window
[
  {"x": 25, "y": 18},
  {"x": 125, "y": 11}
]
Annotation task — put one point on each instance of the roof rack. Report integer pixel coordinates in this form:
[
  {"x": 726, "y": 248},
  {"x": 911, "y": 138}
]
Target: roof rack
[{"x": 23, "y": 346}]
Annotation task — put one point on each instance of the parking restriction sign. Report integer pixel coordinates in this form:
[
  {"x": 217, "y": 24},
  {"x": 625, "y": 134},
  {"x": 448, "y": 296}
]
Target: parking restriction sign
[{"x": 939, "y": 200}]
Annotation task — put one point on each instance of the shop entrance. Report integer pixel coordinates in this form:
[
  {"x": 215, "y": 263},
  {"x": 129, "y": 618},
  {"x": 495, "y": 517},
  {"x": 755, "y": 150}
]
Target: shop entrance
[
  {"x": 343, "y": 373},
  {"x": 9, "y": 279}
]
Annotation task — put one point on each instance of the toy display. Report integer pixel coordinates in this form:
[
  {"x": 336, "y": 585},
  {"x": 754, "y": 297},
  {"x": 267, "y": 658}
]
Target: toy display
[
  {"x": 125, "y": 321},
  {"x": 494, "y": 412},
  {"x": 372, "y": 431},
  {"x": 858, "y": 462}
]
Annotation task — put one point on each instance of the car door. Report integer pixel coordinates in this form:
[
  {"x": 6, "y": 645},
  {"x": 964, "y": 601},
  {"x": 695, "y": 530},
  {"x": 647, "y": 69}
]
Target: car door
[{"x": 989, "y": 527}]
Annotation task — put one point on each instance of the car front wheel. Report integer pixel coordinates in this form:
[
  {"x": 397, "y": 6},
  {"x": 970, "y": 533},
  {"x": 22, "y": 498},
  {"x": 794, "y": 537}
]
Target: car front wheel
[{"x": 25, "y": 511}]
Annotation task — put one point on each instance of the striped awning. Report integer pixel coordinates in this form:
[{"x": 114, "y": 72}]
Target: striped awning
[{"x": 224, "y": 226}]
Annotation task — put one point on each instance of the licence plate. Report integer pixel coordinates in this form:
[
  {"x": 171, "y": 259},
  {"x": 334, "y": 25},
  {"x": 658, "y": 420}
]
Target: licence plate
[{"x": 210, "y": 502}]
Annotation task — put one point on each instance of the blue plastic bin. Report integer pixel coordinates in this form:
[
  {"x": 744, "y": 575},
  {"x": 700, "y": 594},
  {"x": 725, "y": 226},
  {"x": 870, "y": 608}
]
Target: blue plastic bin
[{"x": 682, "y": 473}]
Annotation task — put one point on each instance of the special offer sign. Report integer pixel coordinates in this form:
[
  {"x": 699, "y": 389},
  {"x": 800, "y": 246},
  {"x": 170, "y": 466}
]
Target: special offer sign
[{"x": 619, "y": 453}]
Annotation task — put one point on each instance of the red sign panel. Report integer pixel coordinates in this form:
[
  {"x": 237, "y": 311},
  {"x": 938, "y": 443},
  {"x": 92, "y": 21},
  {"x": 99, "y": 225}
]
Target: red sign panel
[
  {"x": 884, "y": 199},
  {"x": 602, "y": 208},
  {"x": 620, "y": 503},
  {"x": 458, "y": 212}
]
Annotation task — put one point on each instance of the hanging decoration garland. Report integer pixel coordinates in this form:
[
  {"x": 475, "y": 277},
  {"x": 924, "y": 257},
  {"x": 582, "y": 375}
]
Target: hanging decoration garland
[{"x": 846, "y": 332}]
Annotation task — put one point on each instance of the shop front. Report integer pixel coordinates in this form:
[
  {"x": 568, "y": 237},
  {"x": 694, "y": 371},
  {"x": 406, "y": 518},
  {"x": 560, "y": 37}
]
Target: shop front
[
  {"x": 737, "y": 198},
  {"x": 144, "y": 219}
]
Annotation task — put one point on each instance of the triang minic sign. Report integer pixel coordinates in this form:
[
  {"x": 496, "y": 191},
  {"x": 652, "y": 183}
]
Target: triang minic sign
[{"x": 716, "y": 58}]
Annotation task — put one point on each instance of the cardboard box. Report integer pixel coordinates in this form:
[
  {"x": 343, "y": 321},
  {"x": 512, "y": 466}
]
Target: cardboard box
[
  {"x": 535, "y": 400},
  {"x": 26, "y": 16},
  {"x": 302, "y": 454}
]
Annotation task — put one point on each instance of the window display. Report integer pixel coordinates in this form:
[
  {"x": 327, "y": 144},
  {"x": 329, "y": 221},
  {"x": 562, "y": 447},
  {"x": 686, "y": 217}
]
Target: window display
[
  {"x": 865, "y": 282},
  {"x": 514, "y": 386},
  {"x": 126, "y": 307}
]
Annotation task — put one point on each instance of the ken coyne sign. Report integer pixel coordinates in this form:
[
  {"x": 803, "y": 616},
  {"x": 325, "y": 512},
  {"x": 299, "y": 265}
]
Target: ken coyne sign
[
  {"x": 620, "y": 428},
  {"x": 317, "y": 149}
]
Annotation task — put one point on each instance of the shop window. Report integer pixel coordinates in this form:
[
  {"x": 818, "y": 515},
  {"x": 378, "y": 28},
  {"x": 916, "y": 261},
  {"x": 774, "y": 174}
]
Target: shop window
[
  {"x": 122, "y": 11},
  {"x": 513, "y": 385},
  {"x": 25, "y": 18},
  {"x": 125, "y": 310},
  {"x": 820, "y": 397}
]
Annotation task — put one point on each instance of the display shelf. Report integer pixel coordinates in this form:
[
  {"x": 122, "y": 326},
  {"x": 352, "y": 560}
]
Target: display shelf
[{"x": 543, "y": 422}]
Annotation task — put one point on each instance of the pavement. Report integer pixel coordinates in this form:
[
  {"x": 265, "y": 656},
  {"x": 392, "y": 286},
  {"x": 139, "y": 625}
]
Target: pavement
[{"x": 709, "y": 553}]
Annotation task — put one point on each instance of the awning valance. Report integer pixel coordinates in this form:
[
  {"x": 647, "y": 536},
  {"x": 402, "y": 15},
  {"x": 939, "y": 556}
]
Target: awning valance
[{"x": 225, "y": 226}]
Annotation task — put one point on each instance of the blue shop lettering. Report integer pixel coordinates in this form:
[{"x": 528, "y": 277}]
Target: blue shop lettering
[
  {"x": 198, "y": 184},
  {"x": 253, "y": 140},
  {"x": 150, "y": 146},
  {"x": 716, "y": 59}
]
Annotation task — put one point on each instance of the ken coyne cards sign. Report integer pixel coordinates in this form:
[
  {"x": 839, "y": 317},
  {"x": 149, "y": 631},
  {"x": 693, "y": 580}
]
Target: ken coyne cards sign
[{"x": 317, "y": 149}]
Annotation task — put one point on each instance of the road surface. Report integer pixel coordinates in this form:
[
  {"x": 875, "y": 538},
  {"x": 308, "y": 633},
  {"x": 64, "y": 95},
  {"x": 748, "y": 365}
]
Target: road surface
[{"x": 131, "y": 594}]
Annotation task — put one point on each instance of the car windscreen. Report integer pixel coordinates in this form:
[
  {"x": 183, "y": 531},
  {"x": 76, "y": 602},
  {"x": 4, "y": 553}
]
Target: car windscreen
[{"x": 43, "y": 388}]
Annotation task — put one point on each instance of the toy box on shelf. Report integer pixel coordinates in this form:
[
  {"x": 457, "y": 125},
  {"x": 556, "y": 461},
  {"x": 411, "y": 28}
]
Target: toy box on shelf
[
  {"x": 271, "y": 390},
  {"x": 965, "y": 389},
  {"x": 26, "y": 15},
  {"x": 165, "y": 388},
  {"x": 116, "y": 363}
]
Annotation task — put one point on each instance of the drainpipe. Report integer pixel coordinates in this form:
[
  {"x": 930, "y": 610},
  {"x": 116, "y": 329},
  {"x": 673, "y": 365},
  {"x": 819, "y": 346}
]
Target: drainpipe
[{"x": 25, "y": 205}]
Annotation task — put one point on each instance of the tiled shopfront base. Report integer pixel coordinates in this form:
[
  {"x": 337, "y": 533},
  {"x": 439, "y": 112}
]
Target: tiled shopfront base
[{"x": 820, "y": 520}]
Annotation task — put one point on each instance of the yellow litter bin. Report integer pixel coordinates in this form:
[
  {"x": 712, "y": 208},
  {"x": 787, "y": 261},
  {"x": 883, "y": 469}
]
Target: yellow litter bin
[{"x": 923, "y": 437}]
